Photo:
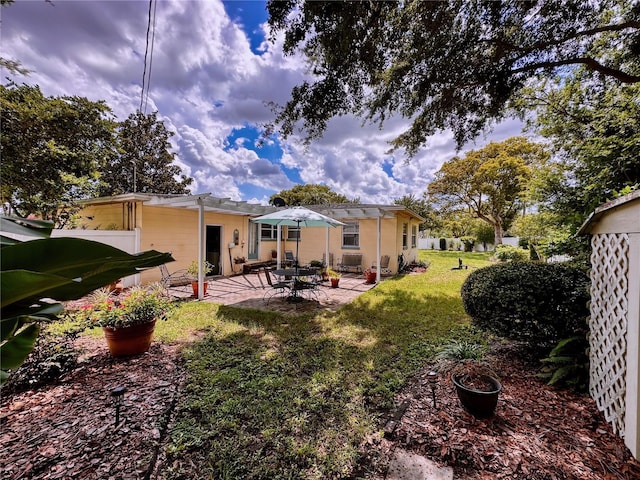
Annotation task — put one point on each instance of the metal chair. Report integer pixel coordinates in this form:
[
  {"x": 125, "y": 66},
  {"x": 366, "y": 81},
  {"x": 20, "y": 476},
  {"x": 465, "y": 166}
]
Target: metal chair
[
  {"x": 178, "y": 281},
  {"x": 289, "y": 259},
  {"x": 276, "y": 288}
]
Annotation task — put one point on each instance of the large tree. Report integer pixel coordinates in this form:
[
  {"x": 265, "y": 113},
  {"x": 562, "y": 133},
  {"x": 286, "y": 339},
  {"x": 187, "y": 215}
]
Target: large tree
[
  {"x": 310, "y": 194},
  {"x": 144, "y": 153},
  {"x": 492, "y": 182},
  {"x": 52, "y": 149},
  {"x": 443, "y": 65}
]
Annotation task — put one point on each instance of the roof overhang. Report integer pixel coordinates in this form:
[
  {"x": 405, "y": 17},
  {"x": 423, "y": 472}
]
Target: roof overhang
[
  {"x": 187, "y": 202},
  {"x": 233, "y": 207},
  {"x": 605, "y": 208}
]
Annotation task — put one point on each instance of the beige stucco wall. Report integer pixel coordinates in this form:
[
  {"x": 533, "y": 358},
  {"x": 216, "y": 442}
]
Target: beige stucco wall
[
  {"x": 313, "y": 242},
  {"x": 175, "y": 230}
]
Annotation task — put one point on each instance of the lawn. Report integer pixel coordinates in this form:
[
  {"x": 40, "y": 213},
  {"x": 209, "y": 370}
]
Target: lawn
[{"x": 269, "y": 396}]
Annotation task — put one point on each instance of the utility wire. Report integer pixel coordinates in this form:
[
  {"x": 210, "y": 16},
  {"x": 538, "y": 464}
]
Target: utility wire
[
  {"x": 146, "y": 50},
  {"x": 153, "y": 41}
]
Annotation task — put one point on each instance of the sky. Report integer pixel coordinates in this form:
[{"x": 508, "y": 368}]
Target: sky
[{"x": 213, "y": 74}]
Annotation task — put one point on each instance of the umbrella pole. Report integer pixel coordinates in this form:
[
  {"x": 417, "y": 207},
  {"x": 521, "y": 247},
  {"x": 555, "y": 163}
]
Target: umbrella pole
[{"x": 297, "y": 247}]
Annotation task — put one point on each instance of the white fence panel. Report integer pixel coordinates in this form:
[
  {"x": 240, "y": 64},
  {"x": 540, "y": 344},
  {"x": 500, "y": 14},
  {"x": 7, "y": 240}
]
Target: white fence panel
[{"x": 127, "y": 240}]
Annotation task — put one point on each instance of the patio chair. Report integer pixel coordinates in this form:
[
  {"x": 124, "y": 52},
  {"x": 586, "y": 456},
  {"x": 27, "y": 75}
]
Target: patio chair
[
  {"x": 384, "y": 266},
  {"x": 178, "y": 281},
  {"x": 280, "y": 287},
  {"x": 351, "y": 262},
  {"x": 289, "y": 259}
]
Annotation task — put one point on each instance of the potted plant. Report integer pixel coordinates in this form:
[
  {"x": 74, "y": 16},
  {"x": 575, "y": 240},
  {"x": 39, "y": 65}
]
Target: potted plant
[
  {"x": 192, "y": 271},
  {"x": 128, "y": 321},
  {"x": 477, "y": 386},
  {"x": 334, "y": 277},
  {"x": 370, "y": 275}
]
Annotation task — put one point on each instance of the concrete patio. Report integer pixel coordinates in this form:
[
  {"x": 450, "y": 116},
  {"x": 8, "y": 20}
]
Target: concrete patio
[{"x": 248, "y": 290}]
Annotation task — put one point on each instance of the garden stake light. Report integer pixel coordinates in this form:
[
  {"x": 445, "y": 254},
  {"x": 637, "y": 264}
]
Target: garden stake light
[
  {"x": 117, "y": 398},
  {"x": 432, "y": 378}
]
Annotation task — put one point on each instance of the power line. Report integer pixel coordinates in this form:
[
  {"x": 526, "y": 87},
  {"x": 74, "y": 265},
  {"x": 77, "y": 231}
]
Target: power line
[
  {"x": 153, "y": 41},
  {"x": 146, "y": 51}
]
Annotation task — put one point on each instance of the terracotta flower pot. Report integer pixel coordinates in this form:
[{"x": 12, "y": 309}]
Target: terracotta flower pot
[
  {"x": 334, "y": 282},
  {"x": 194, "y": 286},
  {"x": 370, "y": 277},
  {"x": 129, "y": 340}
]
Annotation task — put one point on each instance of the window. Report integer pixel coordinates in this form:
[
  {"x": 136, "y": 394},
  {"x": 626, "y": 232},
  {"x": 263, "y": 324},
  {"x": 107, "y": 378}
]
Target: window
[
  {"x": 351, "y": 235},
  {"x": 293, "y": 233},
  {"x": 414, "y": 236},
  {"x": 405, "y": 233},
  {"x": 268, "y": 232}
]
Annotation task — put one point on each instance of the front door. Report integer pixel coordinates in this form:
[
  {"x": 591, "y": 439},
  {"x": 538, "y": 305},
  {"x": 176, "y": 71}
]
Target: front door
[{"x": 214, "y": 248}]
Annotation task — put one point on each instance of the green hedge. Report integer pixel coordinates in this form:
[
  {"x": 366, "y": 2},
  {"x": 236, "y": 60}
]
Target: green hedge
[{"x": 536, "y": 303}]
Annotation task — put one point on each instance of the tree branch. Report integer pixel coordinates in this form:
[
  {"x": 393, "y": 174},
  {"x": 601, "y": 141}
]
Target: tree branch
[{"x": 589, "y": 62}]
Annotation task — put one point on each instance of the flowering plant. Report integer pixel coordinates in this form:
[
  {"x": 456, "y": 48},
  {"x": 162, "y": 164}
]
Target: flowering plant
[{"x": 140, "y": 305}]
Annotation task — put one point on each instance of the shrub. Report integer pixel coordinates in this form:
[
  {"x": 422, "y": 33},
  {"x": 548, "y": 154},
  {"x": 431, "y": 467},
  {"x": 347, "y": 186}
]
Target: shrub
[
  {"x": 443, "y": 244},
  {"x": 469, "y": 243},
  {"x": 568, "y": 364},
  {"x": 537, "y": 303},
  {"x": 507, "y": 253}
]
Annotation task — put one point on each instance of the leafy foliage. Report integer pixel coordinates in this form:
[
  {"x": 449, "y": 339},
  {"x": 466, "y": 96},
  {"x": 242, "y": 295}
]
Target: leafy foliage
[
  {"x": 140, "y": 305},
  {"x": 491, "y": 183},
  {"x": 461, "y": 350},
  {"x": 533, "y": 302},
  {"x": 143, "y": 141},
  {"x": 508, "y": 253},
  {"x": 568, "y": 364},
  {"x": 443, "y": 65},
  {"x": 310, "y": 194},
  {"x": 52, "y": 268},
  {"x": 52, "y": 149}
]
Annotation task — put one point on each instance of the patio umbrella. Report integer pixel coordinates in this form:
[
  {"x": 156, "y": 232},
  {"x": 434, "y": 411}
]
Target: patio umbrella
[{"x": 298, "y": 217}]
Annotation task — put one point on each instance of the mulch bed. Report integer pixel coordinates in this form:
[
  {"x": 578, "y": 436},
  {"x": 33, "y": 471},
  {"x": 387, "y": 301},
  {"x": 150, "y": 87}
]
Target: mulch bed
[
  {"x": 66, "y": 430},
  {"x": 538, "y": 432}
]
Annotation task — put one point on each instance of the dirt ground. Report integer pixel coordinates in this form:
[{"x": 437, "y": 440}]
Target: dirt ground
[{"x": 66, "y": 430}]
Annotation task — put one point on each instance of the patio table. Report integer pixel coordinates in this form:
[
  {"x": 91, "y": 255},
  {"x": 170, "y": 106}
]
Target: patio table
[{"x": 295, "y": 273}]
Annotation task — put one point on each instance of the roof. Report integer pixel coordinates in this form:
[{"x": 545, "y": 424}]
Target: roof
[
  {"x": 188, "y": 202},
  {"x": 606, "y": 208},
  {"x": 228, "y": 206}
]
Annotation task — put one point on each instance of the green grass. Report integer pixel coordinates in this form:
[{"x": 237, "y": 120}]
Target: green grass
[{"x": 271, "y": 396}]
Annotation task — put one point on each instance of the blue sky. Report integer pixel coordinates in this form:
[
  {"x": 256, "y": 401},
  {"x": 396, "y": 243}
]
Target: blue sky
[{"x": 213, "y": 74}]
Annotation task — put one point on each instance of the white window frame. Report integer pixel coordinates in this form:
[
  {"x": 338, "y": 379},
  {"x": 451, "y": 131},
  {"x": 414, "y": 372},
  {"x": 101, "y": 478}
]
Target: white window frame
[{"x": 351, "y": 230}]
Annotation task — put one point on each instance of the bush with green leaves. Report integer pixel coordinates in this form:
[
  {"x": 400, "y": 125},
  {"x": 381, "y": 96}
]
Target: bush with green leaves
[
  {"x": 508, "y": 253},
  {"x": 36, "y": 271},
  {"x": 468, "y": 242},
  {"x": 536, "y": 303},
  {"x": 568, "y": 364}
]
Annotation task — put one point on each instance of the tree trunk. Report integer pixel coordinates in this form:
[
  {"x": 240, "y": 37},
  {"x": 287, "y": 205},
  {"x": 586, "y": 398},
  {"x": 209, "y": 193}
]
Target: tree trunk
[{"x": 498, "y": 233}]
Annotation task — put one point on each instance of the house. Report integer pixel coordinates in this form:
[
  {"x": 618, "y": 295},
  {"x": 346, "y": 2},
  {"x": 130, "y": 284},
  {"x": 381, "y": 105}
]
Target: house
[
  {"x": 614, "y": 323},
  {"x": 224, "y": 231}
]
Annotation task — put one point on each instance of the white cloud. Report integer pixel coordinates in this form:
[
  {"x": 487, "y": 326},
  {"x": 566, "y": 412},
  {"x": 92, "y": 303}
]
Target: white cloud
[{"x": 206, "y": 82}]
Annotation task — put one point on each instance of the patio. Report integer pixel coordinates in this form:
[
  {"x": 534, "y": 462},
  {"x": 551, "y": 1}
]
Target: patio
[{"x": 248, "y": 290}]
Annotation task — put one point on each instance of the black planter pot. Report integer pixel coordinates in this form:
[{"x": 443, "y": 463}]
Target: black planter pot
[{"x": 478, "y": 403}]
